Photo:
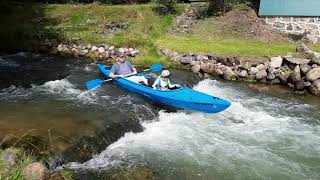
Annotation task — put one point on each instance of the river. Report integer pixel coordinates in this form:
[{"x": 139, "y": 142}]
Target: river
[{"x": 266, "y": 134}]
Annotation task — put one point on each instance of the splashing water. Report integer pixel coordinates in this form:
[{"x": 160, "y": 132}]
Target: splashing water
[{"x": 250, "y": 140}]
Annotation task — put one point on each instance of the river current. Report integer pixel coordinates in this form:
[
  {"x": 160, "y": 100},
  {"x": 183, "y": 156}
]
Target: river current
[{"x": 271, "y": 134}]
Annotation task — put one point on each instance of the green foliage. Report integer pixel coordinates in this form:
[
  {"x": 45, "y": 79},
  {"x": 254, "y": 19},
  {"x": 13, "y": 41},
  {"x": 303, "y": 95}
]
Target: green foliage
[
  {"x": 165, "y": 7},
  {"x": 219, "y": 7}
]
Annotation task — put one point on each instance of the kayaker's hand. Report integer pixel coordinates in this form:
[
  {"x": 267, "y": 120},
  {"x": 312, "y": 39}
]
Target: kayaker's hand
[
  {"x": 121, "y": 76},
  {"x": 177, "y": 85},
  {"x": 154, "y": 88}
]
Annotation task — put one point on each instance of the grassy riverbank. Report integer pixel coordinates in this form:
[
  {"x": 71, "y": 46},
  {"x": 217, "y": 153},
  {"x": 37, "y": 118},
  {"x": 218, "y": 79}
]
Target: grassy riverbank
[{"x": 24, "y": 25}]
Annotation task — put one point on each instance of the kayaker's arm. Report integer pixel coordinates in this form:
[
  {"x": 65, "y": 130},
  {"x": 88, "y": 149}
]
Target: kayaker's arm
[{"x": 112, "y": 75}]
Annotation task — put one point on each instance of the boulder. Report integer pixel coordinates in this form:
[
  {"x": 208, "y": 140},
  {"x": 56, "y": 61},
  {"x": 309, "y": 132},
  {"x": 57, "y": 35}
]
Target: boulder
[
  {"x": 111, "y": 48},
  {"x": 305, "y": 68},
  {"x": 11, "y": 157},
  {"x": 228, "y": 73},
  {"x": 276, "y": 62},
  {"x": 60, "y": 47},
  {"x": 122, "y": 50},
  {"x": 315, "y": 57},
  {"x": 194, "y": 62},
  {"x": 254, "y": 70},
  {"x": 305, "y": 51},
  {"x": 89, "y": 46},
  {"x": 35, "y": 171},
  {"x": 275, "y": 81},
  {"x": 284, "y": 77},
  {"x": 217, "y": 72},
  {"x": 314, "y": 65},
  {"x": 101, "y": 50},
  {"x": 261, "y": 74},
  {"x": 295, "y": 74},
  {"x": 206, "y": 67},
  {"x": 297, "y": 61},
  {"x": 313, "y": 74},
  {"x": 84, "y": 52},
  {"x": 271, "y": 76},
  {"x": 261, "y": 67},
  {"x": 315, "y": 87},
  {"x": 196, "y": 68},
  {"x": 243, "y": 73},
  {"x": 206, "y": 75},
  {"x": 94, "y": 48},
  {"x": 201, "y": 57},
  {"x": 246, "y": 65}
]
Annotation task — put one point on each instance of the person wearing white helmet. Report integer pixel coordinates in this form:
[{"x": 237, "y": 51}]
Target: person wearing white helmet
[{"x": 163, "y": 82}]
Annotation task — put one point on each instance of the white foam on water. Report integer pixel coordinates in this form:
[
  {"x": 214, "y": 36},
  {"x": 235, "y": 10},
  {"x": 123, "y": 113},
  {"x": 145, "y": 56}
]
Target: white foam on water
[{"x": 245, "y": 140}]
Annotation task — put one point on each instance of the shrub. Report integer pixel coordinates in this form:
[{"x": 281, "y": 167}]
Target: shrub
[
  {"x": 165, "y": 7},
  {"x": 219, "y": 7}
]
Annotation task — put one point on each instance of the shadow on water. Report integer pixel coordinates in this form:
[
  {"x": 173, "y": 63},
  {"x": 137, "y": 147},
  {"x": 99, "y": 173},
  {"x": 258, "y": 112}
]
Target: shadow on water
[{"x": 25, "y": 26}]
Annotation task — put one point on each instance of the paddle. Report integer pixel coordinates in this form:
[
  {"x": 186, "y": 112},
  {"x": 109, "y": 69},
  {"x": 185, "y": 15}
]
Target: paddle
[{"x": 98, "y": 82}]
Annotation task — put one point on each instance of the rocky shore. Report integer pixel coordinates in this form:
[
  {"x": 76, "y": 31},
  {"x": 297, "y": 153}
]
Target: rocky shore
[
  {"x": 301, "y": 73},
  {"x": 101, "y": 52}
]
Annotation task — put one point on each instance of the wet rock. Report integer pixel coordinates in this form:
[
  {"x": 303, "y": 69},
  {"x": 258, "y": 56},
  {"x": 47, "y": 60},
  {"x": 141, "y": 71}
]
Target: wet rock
[
  {"x": 217, "y": 72},
  {"x": 84, "y": 52},
  {"x": 313, "y": 74},
  {"x": 243, "y": 73},
  {"x": 228, "y": 73},
  {"x": 196, "y": 68},
  {"x": 254, "y": 70},
  {"x": 297, "y": 61},
  {"x": 276, "y": 62},
  {"x": 315, "y": 87},
  {"x": 271, "y": 76},
  {"x": 261, "y": 74},
  {"x": 101, "y": 50},
  {"x": 295, "y": 74},
  {"x": 299, "y": 85},
  {"x": 275, "y": 81},
  {"x": 305, "y": 68},
  {"x": 206, "y": 75},
  {"x": 35, "y": 171},
  {"x": 206, "y": 67}
]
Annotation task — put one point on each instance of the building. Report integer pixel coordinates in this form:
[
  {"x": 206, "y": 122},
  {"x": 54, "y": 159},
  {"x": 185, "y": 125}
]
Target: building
[{"x": 293, "y": 16}]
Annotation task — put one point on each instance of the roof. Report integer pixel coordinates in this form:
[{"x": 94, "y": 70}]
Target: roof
[{"x": 289, "y": 8}]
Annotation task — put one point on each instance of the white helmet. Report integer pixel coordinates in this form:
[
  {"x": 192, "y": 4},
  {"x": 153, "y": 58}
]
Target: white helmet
[{"x": 165, "y": 73}]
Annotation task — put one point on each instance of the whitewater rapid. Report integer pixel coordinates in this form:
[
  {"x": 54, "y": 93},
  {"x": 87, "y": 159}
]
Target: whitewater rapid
[{"x": 258, "y": 137}]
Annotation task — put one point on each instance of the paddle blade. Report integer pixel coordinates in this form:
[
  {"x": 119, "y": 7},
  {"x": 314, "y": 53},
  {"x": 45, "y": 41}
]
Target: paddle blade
[
  {"x": 156, "y": 68},
  {"x": 93, "y": 83}
]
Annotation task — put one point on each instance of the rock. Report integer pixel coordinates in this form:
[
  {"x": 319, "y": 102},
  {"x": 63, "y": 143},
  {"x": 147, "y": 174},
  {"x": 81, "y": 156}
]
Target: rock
[
  {"x": 305, "y": 68},
  {"x": 243, "y": 73},
  {"x": 11, "y": 157},
  {"x": 35, "y": 171},
  {"x": 261, "y": 67},
  {"x": 271, "y": 76},
  {"x": 111, "y": 48},
  {"x": 201, "y": 57},
  {"x": 107, "y": 54},
  {"x": 101, "y": 50},
  {"x": 94, "y": 48},
  {"x": 89, "y": 46},
  {"x": 84, "y": 52},
  {"x": 196, "y": 68},
  {"x": 276, "y": 62},
  {"x": 228, "y": 74},
  {"x": 290, "y": 85},
  {"x": 187, "y": 60},
  {"x": 297, "y": 61},
  {"x": 194, "y": 62},
  {"x": 254, "y": 70},
  {"x": 299, "y": 85},
  {"x": 261, "y": 74},
  {"x": 56, "y": 176},
  {"x": 206, "y": 67},
  {"x": 217, "y": 72},
  {"x": 315, "y": 87},
  {"x": 200, "y": 75},
  {"x": 130, "y": 49},
  {"x": 106, "y": 47},
  {"x": 60, "y": 47},
  {"x": 206, "y": 75},
  {"x": 275, "y": 81},
  {"x": 313, "y": 74},
  {"x": 122, "y": 50},
  {"x": 284, "y": 77},
  {"x": 295, "y": 74},
  {"x": 315, "y": 57},
  {"x": 307, "y": 84},
  {"x": 314, "y": 66},
  {"x": 305, "y": 51},
  {"x": 246, "y": 65}
]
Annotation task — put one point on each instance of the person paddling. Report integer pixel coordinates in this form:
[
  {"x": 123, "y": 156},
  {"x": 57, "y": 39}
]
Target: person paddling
[
  {"x": 124, "y": 69},
  {"x": 163, "y": 82}
]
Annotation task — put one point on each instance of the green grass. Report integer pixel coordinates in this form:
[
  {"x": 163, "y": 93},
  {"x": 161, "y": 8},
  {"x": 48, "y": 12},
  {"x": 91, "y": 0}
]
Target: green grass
[
  {"x": 13, "y": 172},
  {"x": 225, "y": 47}
]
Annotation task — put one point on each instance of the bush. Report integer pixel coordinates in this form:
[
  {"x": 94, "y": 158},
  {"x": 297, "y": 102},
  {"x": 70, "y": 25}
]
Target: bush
[
  {"x": 219, "y": 7},
  {"x": 165, "y": 7}
]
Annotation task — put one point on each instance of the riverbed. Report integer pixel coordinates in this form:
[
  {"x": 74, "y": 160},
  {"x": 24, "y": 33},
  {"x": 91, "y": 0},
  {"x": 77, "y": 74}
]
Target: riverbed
[{"x": 267, "y": 133}]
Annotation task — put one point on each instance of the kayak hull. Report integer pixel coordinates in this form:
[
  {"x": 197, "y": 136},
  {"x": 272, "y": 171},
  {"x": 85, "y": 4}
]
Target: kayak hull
[{"x": 183, "y": 97}]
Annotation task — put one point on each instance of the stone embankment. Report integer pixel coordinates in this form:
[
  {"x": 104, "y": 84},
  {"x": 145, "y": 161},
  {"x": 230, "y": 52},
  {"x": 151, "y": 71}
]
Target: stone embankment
[
  {"x": 301, "y": 74},
  {"x": 101, "y": 52}
]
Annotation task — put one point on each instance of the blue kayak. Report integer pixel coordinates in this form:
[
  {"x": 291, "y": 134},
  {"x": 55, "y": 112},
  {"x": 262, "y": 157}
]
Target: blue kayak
[{"x": 183, "y": 97}]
